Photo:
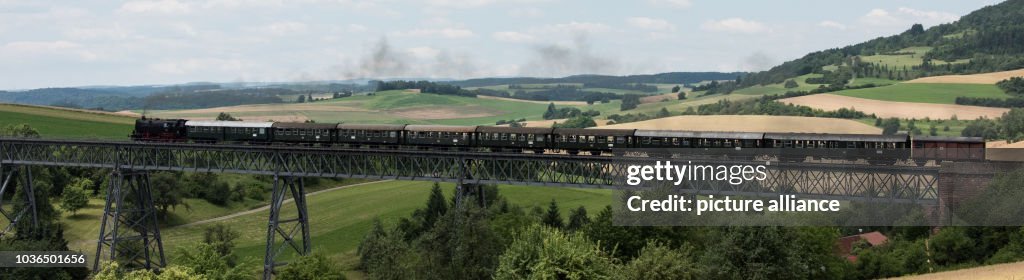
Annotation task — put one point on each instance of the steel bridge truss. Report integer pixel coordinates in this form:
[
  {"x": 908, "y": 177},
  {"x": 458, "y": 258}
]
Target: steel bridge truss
[
  {"x": 128, "y": 230},
  {"x": 22, "y": 205},
  {"x": 131, "y": 161},
  {"x": 287, "y": 228}
]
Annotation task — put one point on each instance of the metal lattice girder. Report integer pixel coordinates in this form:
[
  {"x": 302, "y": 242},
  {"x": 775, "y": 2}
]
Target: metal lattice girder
[
  {"x": 129, "y": 229},
  {"x": 8, "y": 180},
  {"x": 287, "y": 228},
  {"x": 810, "y": 180}
]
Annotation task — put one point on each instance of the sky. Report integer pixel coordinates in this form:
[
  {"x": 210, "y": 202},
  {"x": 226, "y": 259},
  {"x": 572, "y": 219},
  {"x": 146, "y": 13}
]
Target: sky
[{"x": 87, "y": 42}]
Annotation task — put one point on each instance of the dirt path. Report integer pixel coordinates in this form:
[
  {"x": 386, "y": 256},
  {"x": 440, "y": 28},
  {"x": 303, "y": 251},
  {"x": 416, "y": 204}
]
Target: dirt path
[{"x": 265, "y": 207}]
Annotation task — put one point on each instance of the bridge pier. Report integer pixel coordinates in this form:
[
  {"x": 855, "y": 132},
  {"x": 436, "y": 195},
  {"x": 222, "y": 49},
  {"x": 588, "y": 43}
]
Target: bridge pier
[
  {"x": 465, "y": 190},
  {"x": 129, "y": 227},
  {"x": 276, "y": 225},
  {"x": 8, "y": 180}
]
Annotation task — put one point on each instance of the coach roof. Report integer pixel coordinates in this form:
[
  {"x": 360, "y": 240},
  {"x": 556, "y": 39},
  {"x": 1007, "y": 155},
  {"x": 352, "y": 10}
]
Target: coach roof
[
  {"x": 837, "y": 137},
  {"x": 229, "y": 124},
  {"x": 504, "y": 129},
  {"x": 594, "y": 132},
  {"x": 700, "y": 134},
  {"x": 291, "y": 125},
  {"x": 371, "y": 126},
  {"x": 441, "y": 128},
  {"x": 950, "y": 139}
]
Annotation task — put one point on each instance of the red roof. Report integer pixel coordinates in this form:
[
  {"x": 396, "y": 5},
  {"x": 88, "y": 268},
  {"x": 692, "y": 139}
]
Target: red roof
[{"x": 844, "y": 246}]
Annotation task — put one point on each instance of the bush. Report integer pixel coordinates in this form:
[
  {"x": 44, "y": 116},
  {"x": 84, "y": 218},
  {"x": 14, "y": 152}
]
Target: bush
[
  {"x": 313, "y": 266},
  {"x": 562, "y": 256},
  {"x": 657, "y": 261}
]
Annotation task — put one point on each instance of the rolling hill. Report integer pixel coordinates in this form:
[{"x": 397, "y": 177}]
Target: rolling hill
[{"x": 54, "y": 122}]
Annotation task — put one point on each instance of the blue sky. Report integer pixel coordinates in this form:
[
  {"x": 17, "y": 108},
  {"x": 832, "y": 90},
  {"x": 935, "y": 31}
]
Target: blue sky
[{"x": 77, "y": 43}]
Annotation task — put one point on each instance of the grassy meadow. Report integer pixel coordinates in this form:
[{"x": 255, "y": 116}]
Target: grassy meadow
[
  {"x": 66, "y": 123},
  {"x": 925, "y": 93}
]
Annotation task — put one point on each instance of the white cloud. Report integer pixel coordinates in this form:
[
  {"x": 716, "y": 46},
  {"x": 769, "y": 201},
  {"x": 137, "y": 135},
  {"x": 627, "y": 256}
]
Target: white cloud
[
  {"x": 22, "y": 49},
  {"x": 526, "y": 12},
  {"x": 451, "y": 33},
  {"x": 512, "y": 36},
  {"x": 423, "y": 52},
  {"x": 832, "y": 24},
  {"x": 681, "y": 4},
  {"x": 930, "y": 17},
  {"x": 158, "y": 6},
  {"x": 650, "y": 23},
  {"x": 574, "y": 27},
  {"x": 904, "y": 17},
  {"x": 356, "y": 28},
  {"x": 285, "y": 28},
  {"x": 193, "y": 65},
  {"x": 734, "y": 25}
]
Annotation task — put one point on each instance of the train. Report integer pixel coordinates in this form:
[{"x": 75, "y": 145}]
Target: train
[{"x": 574, "y": 141}]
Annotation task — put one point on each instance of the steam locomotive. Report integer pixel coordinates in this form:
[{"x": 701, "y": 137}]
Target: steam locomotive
[{"x": 570, "y": 140}]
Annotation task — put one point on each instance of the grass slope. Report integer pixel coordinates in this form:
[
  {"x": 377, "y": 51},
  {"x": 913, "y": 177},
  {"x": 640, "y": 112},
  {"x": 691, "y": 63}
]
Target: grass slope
[
  {"x": 60, "y": 123},
  {"x": 925, "y": 93},
  {"x": 339, "y": 218}
]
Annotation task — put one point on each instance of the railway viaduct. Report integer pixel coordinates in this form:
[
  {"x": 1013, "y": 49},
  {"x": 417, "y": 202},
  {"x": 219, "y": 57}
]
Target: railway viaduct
[{"x": 129, "y": 218}]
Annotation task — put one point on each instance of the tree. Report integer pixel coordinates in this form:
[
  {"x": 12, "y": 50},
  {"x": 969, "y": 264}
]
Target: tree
[
  {"x": 219, "y": 193},
  {"x": 20, "y": 130},
  {"x": 657, "y": 261},
  {"x": 890, "y": 126},
  {"x": 310, "y": 98},
  {"x": 313, "y": 266},
  {"x": 578, "y": 219},
  {"x": 681, "y": 95},
  {"x": 221, "y": 237},
  {"x": 205, "y": 260},
  {"x": 676, "y": 89},
  {"x": 791, "y": 84},
  {"x": 436, "y": 206},
  {"x": 663, "y": 113},
  {"x": 629, "y": 102},
  {"x": 226, "y": 117},
  {"x": 302, "y": 99},
  {"x": 562, "y": 256},
  {"x": 553, "y": 217},
  {"x": 167, "y": 192},
  {"x": 577, "y": 122},
  {"x": 75, "y": 197},
  {"x": 550, "y": 113}
]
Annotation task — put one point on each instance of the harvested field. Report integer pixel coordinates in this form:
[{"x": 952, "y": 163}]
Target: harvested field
[
  {"x": 1002, "y": 144},
  {"x": 559, "y": 103},
  {"x": 753, "y": 123},
  {"x": 444, "y": 113},
  {"x": 999, "y": 271},
  {"x": 890, "y": 109},
  {"x": 984, "y": 78}
]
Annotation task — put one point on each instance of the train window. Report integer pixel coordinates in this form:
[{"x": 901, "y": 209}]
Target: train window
[
  {"x": 512, "y": 137},
  {"x": 620, "y": 140},
  {"x": 393, "y": 134},
  {"x": 686, "y": 142},
  {"x": 646, "y": 140},
  {"x": 590, "y": 139},
  {"x": 600, "y": 140},
  {"x": 611, "y": 139},
  {"x": 522, "y": 137},
  {"x": 504, "y": 136},
  {"x": 572, "y": 138},
  {"x": 727, "y": 144},
  {"x": 539, "y": 138}
]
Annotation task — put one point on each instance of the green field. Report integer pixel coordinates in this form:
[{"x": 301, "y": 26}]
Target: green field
[
  {"x": 926, "y": 93},
  {"x": 67, "y": 124},
  {"x": 339, "y": 219},
  {"x": 906, "y": 58},
  {"x": 955, "y": 126}
]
